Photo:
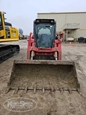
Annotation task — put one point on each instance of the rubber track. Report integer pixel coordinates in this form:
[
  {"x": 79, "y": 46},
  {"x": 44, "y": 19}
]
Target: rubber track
[{"x": 7, "y": 51}]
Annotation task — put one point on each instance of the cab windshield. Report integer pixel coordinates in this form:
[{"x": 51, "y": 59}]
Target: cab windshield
[{"x": 44, "y": 35}]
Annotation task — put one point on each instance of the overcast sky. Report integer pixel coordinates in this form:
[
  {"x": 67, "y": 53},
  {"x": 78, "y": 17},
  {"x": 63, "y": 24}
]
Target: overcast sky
[{"x": 21, "y": 13}]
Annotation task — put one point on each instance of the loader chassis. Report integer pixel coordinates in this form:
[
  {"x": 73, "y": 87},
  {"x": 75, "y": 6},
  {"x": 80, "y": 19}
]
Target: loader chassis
[{"x": 43, "y": 44}]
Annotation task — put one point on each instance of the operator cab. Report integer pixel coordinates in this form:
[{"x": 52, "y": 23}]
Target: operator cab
[
  {"x": 44, "y": 32},
  {"x": 4, "y": 26}
]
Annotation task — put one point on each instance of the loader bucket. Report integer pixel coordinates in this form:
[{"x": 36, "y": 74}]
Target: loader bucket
[{"x": 43, "y": 74}]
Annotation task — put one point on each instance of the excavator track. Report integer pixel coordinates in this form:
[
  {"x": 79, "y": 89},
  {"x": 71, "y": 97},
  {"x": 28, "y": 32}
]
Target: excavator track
[{"x": 7, "y": 51}]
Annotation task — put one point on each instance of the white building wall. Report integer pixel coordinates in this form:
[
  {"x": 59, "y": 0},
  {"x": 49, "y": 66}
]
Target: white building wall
[{"x": 64, "y": 18}]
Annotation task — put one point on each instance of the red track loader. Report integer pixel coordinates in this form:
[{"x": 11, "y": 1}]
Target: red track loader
[
  {"x": 44, "y": 44},
  {"x": 44, "y": 69}
]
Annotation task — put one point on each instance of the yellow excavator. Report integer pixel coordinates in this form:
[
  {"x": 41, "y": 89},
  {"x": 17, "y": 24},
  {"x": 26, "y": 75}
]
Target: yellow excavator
[{"x": 7, "y": 34}]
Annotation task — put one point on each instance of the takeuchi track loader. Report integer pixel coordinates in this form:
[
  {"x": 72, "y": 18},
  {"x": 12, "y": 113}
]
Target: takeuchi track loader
[{"x": 44, "y": 69}]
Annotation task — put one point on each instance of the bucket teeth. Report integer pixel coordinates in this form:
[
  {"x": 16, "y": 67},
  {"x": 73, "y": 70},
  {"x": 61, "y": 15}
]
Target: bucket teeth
[
  {"x": 78, "y": 90},
  {"x": 43, "y": 89},
  {"x": 16, "y": 90},
  {"x": 70, "y": 90},
  {"x": 35, "y": 89},
  {"x": 26, "y": 89}
]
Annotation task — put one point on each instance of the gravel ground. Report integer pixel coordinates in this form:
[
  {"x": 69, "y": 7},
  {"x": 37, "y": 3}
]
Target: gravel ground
[{"x": 55, "y": 103}]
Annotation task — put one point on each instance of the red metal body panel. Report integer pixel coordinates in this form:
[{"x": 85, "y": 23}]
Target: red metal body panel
[{"x": 45, "y": 51}]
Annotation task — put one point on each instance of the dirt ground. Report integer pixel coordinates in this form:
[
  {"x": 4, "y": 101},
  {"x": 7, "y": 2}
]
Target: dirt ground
[{"x": 55, "y": 103}]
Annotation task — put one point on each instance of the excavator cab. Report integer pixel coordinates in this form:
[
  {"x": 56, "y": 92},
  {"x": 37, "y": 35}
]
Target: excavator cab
[{"x": 7, "y": 31}]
